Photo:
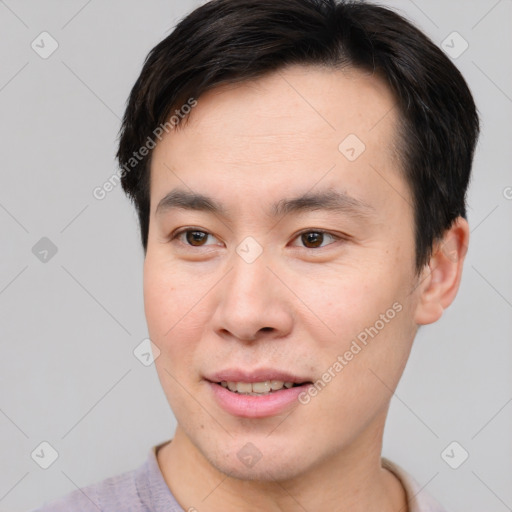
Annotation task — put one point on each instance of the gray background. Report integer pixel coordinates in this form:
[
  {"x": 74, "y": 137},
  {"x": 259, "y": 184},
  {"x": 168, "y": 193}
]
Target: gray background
[{"x": 69, "y": 325}]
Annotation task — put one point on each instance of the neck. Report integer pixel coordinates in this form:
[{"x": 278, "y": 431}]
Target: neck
[{"x": 353, "y": 480}]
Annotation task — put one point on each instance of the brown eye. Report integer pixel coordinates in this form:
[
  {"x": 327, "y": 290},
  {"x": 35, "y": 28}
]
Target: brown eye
[
  {"x": 195, "y": 238},
  {"x": 314, "y": 239},
  {"x": 192, "y": 237}
]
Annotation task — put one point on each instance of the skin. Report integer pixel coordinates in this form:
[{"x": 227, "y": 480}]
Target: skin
[{"x": 296, "y": 307}]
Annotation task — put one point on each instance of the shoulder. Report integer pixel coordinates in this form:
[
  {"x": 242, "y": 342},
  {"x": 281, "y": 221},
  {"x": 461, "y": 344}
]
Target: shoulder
[
  {"x": 112, "y": 494},
  {"x": 418, "y": 499}
]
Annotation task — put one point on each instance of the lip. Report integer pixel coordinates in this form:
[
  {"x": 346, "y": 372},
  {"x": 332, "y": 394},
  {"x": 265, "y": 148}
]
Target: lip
[
  {"x": 251, "y": 406},
  {"x": 261, "y": 375}
]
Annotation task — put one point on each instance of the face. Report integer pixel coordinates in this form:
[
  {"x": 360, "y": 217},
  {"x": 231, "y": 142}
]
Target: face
[{"x": 253, "y": 285}]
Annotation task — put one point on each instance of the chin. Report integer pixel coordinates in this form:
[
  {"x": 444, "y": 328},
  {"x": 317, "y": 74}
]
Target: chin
[{"x": 257, "y": 460}]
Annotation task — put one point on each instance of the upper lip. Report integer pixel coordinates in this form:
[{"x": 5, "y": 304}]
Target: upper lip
[{"x": 261, "y": 375}]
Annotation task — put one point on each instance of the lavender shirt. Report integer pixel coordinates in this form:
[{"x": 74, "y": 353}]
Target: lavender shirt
[{"x": 144, "y": 490}]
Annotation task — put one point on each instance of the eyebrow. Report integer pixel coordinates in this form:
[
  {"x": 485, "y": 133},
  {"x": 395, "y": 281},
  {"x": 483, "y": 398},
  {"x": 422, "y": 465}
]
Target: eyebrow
[{"x": 328, "y": 200}]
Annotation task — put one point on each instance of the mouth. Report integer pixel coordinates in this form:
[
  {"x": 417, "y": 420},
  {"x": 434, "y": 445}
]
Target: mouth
[
  {"x": 258, "y": 399},
  {"x": 256, "y": 393},
  {"x": 263, "y": 388}
]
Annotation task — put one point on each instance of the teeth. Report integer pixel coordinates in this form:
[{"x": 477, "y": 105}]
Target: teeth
[
  {"x": 244, "y": 387},
  {"x": 256, "y": 388},
  {"x": 278, "y": 384}
]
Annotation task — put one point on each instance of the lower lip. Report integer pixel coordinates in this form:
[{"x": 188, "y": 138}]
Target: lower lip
[{"x": 251, "y": 406}]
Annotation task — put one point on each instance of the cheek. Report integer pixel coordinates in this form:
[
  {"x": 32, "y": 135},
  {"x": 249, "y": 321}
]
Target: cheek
[
  {"x": 175, "y": 309},
  {"x": 363, "y": 361},
  {"x": 175, "y": 324},
  {"x": 367, "y": 313},
  {"x": 168, "y": 291},
  {"x": 157, "y": 292},
  {"x": 346, "y": 300},
  {"x": 164, "y": 301}
]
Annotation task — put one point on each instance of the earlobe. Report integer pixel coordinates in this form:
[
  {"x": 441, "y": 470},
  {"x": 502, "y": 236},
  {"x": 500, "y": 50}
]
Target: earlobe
[{"x": 440, "y": 279}]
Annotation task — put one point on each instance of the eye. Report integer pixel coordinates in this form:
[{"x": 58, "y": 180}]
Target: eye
[
  {"x": 192, "y": 237},
  {"x": 314, "y": 238}
]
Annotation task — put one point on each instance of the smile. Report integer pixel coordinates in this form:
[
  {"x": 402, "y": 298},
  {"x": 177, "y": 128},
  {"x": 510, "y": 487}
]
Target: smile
[{"x": 257, "y": 388}]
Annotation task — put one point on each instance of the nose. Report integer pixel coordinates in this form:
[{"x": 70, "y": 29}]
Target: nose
[{"x": 252, "y": 302}]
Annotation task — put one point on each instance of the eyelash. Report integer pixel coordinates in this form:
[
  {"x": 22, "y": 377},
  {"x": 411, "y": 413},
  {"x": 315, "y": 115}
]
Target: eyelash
[{"x": 310, "y": 230}]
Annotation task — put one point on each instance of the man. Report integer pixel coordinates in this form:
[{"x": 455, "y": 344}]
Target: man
[{"x": 299, "y": 168}]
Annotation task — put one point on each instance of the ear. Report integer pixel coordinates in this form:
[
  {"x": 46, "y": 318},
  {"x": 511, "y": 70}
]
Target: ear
[{"x": 440, "y": 279}]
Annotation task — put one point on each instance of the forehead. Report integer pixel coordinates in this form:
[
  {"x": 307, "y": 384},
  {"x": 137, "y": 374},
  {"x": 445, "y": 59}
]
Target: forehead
[{"x": 297, "y": 126}]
